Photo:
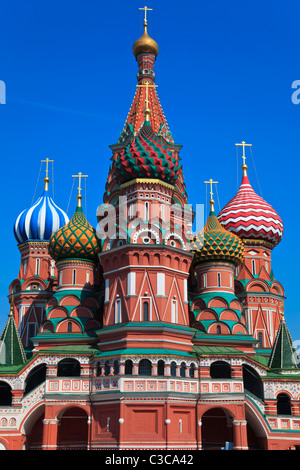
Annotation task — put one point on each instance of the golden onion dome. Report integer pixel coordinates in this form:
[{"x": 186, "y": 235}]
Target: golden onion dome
[
  {"x": 145, "y": 44},
  {"x": 75, "y": 240},
  {"x": 215, "y": 243}
]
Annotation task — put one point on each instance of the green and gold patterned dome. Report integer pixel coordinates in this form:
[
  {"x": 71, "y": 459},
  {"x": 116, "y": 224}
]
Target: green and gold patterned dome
[
  {"x": 216, "y": 243},
  {"x": 77, "y": 239}
]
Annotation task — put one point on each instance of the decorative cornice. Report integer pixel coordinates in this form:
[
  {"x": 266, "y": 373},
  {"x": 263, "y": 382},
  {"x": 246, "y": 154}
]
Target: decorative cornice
[
  {"x": 253, "y": 242},
  {"x": 147, "y": 181},
  {"x": 74, "y": 262}
]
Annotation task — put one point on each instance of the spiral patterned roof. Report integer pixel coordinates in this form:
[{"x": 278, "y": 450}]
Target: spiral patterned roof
[
  {"x": 216, "y": 243},
  {"x": 250, "y": 217},
  {"x": 146, "y": 156},
  {"x": 40, "y": 221},
  {"x": 77, "y": 239}
]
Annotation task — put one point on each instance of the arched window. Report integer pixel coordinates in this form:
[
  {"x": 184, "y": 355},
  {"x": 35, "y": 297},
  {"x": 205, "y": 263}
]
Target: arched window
[
  {"x": 116, "y": 367},
  {"x": 173, "y": 369},
  {"x": 128, "y": 367},
  {"x": 220, "y": 370},
  {"x": 192, "y": 370},
  {"x": 253, "y": 267},
  {"x": 52, "y": 268},
  {"x": 219, "y": 279},
  {"x": 218, "y": 329},
  {"x": 118, "y": 316},
  {"x": 35, "y": 377},
  {"x": 174, "y": 311},
  {"x": 204, "y": 281},
  {"x": 160, "y": 368},
  {"x": 106, "y": 368},
  {"x": 68, "y": 368},
  {"x": 283, "y": 404},
  {"x": 252, "y": 382},
  {"x": 146, "y": 310},
  {"x": 74, "y": 276},
  {"x": 182, "y": 369},
  {"x": 145, "y": 367},
  {"x": 69, "y": 327},
  {"x": 25, "y": 266},
  {"x": 260, "y": 340},
  {"x": 37, "y": 267},
  {"x": 130, "y": 212},
  {"x": 146, "y": 210},
  {"x": 5, "y": 394}
]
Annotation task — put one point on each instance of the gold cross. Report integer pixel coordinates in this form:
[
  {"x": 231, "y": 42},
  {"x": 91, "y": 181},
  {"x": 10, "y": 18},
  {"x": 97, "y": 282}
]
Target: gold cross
[
  {"x": 47, "y": 161},
  {"x": 211, "y": 183},
  {"x": 243, "y": 144},
  {"x": 46, "y": 179},
  {"x": 80, "y": 175},
  {"x": 146, "y": 9},
  {"x": 147, "y": 85}
]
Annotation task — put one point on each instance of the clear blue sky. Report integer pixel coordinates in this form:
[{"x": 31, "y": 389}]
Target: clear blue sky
[{"x": 224, "y": 74}]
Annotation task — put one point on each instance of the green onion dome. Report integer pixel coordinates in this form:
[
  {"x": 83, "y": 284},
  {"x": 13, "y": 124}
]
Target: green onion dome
[
  {"x": 75, "y": 240},
  {"x": 146, "y": 156},
  {"x": 216, "y": 243}
]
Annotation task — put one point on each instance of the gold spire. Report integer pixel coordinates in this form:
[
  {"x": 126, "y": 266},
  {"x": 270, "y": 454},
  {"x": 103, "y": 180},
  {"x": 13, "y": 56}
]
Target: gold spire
[
  {"x": 46, "y": 179},
  {"x": 12, "y": 305},
  {"x": 79, "y": 196},
  {"x": 244, "y": 166},
  {"x": 212, "y": 202},
  {"x": 145, "y": 43},
  {"x": 147, "y": 110}
]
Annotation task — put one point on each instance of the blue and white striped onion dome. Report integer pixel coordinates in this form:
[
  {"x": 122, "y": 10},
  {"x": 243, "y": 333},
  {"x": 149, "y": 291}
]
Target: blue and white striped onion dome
[{"x": 40, "y": 221}]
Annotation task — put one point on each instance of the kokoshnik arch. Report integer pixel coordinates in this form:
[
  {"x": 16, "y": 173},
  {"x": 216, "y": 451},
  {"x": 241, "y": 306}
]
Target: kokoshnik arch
[{"x": 151, "y": 338}]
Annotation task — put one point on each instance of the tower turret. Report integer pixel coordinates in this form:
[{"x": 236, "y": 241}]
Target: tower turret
[
  {"x": 255, "y": 221},
  {"x": 37, "y": 275},
  {"x": 216, "y": 309}
]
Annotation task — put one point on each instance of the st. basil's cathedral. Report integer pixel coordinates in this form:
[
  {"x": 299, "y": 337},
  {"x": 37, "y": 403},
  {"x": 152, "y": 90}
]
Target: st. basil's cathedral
[{"x": 139, "y": 334}]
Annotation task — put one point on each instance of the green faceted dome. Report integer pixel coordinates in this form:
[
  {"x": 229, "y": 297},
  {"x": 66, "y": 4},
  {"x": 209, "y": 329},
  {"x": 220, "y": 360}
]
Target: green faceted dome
[
  {"x": 77, "y": 239},
  {"x": 216, "y": 243},
  {"x": 146, "y": 156}
]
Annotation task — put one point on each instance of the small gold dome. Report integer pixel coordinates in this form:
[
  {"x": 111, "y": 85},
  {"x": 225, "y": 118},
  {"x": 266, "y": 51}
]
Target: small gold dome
[{"x": 145, "y": 44}]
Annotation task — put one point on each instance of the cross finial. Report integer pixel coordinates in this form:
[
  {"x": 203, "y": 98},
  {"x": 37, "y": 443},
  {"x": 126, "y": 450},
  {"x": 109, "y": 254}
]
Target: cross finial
[
  {"x": 79, "y": 196},
  {"x": 244, "y": 166},
  {"x": 46, "y": 179},
  {"x": 211, "y": 182},
  {"x": 146, "y": 9},
  {"x": 147, "y": 110}
]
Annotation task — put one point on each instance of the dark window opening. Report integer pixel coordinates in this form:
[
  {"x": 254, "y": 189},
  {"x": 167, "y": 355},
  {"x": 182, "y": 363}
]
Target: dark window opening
[
  {"x": 68, "y": 368},
  {"x": 220, "y": 370}
]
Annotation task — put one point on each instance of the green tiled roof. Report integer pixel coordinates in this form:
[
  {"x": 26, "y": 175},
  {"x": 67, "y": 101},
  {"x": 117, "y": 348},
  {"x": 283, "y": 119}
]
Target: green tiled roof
[
  {"x": 216, "y": 350},
  {"x": 284, "y": 356},
  {"x": 11, "y": 349}
]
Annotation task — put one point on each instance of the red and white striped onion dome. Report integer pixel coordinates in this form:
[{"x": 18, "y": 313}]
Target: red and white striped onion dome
[{"x": 250, "y": 217}]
